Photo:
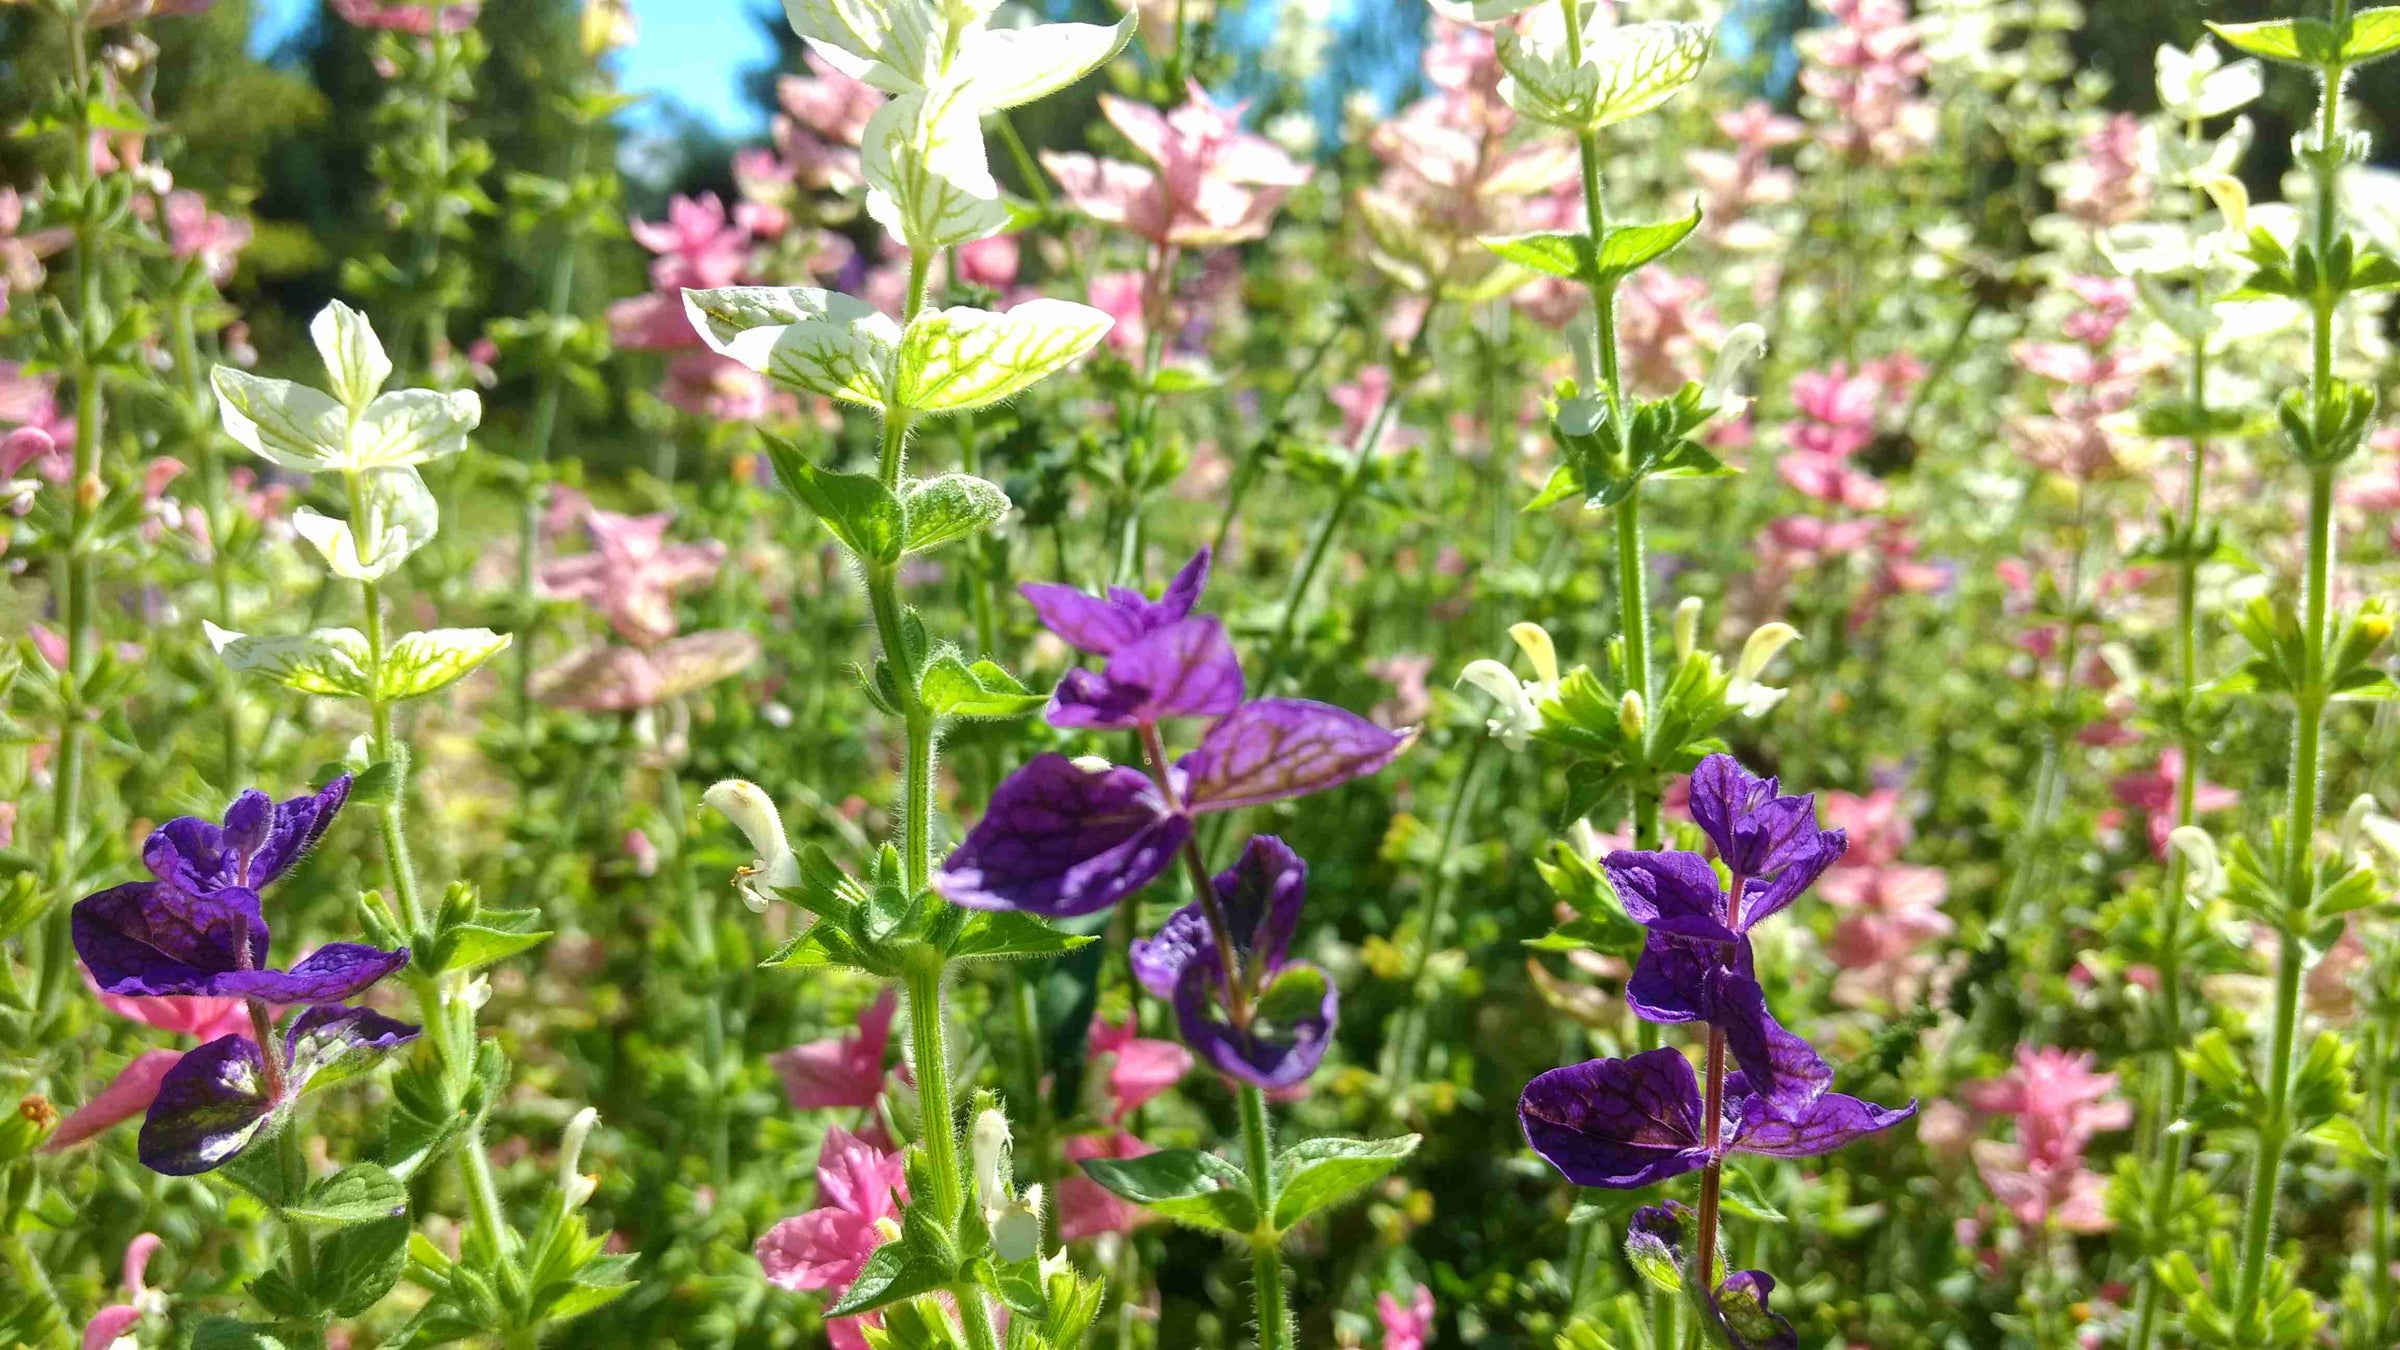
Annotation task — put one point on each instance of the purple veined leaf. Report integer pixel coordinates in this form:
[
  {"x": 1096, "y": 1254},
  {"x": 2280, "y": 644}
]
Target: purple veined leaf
[
  {"x": 1158, "y": 960},
  {"x": 1769, "y": 839},
  {"x": 1617, "y": 1123},
  {"x": 260, "y": 840},
  {"x": 1058, "y": 840},
  {"x": 1800, "y": 864},
  {"x": 1675, "y": 980},
  {"x": 1101, "y": 624},
  {"x": 147, "y": 937},
  {"x": 329, "y": 1044},
  {"x": 1186, "y": 669},
  {"x": 207, "y": 1109},
  {"x": 1276, "y": 748},
  {"x": 1291, "y": 1026},
  {"x": 1784, "y": 1071},
  {"x": 330, "y": 974},
  {"x": 1673, "y": 894},
  {"x": 1261, "y": 895},
  {"x": 1832, "y": 1120},
  {"x": 1670, "y": 981}
]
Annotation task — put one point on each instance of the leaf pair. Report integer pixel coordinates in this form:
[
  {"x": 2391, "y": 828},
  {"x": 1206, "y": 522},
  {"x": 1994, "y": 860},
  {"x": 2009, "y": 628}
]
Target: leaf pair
[{"x": 1205, "y": 1191}]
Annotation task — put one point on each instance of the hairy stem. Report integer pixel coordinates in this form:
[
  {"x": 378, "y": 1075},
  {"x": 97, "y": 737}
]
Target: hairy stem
[{"x": 1266, "y": 1246}]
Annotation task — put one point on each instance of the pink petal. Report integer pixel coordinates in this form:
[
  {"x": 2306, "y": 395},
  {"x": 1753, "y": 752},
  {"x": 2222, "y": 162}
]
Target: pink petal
[{"x": 128, "y": 1095}]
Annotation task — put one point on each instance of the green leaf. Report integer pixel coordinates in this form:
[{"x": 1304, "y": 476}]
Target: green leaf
[
  {"x": 953, "y": 688},
  {"x": 2343, "y": 1135},
  {"x": 328, "y": 662},
  {"x": 857, "y": 507},
  {"x": 1006, "y": 935},
  {"x": 1557, "y": 253},
  {"x": 360, "y": 1193},
  {"x": 224, "y": 1333},
  {"x": 1628, "y": 248},
  {"x": 895, "y": 1271},
  {"x": 2374, "y": 34},
  {"x": 953, "y": 506},
  {"x": 478, "y": 945},
  {"x": 258, "y": 1168},
  {"x": 1183, "y": 1184},
  {"x": 955, "y": 359},
  {"x": 360, "y": 1264},
  {"x": 1320, "y": 1173},
  {"x": 433, "y": 660},
  {"x": 2296, "y": 42},
  {"x": 1740, "y": 1194}
]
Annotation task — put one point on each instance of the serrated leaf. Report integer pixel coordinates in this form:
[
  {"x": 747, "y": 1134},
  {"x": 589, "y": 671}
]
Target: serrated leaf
[
  {"x": 1628, "y": 248},
  {"x": 359, "y": 1193},
  {"x": 478, "y": 945},
  {"x": 1557, "y": 253},
  {"x": 2374, "y": 34},
  {"x": 360, "y": 1264},
  {"x": 1006, "y": 935},
  {"x": 952, "y": 687},
  {"x": 329, "y": 662},
  {"x": 857, "y": 507},
  {"x": 816, "y": 341},
  {"x": 955, "y": 359},
  {"x": 2297, "y": 42},
  {"x": 430, "y": 661},
  {"x": 1183, "y": 1184},
  {"x": 224, "y": 1333},
  {"x": 1320, "y": 1173},
  {"x": 953, "y": 506},
  {"x": 895, "y": 1270},
  {"x": 1626, "y": 69}
]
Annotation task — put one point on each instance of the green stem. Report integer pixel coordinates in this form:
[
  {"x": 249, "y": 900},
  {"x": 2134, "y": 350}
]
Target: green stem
[
  {"x": 930, "y": 1042},
  {"x": 2173, "y": 1145},
  {"x": 1027, "y": 167},
  {"x": 2258, "y": 1219},
  {"x": 1432, "y": 911},
  {"x": 1266, "y": 1245},
  {"x": 1279, "y": 425},
  {"x": 548, "y": 388}
]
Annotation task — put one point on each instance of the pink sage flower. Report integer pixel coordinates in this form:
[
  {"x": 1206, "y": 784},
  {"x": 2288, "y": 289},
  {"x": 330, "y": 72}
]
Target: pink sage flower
[
  {"x": 840, "y": 1070},
  {"x": 1208, "y": 184}
]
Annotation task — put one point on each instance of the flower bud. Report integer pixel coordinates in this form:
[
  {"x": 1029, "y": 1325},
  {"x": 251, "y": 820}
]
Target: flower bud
[
  {"x": 23, "y": 1130},
  {"x": 1687, "y": 627},
  {"x": 1585, "y": 840},
  {"x": 90, "y": 492},
  {"x": 1763, "y": 646},
  {"x": 1093, "y": 763},
  {"x": 2354, "y": 824},
  {"x": 2233, "y": 202},
  {"x": 1632, "y": 718},
  {"x": 753, "y": 813},
  {"x": 572, "y": 1183},
  {"x": 989, "y": 1149},
  {"x": 888, "y": 1228}
]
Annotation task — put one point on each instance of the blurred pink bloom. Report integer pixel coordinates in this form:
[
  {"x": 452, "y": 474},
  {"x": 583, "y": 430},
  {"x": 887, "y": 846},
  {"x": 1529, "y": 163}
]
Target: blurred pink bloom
[
  {"x": 1892, "y": 911},
  {"x": 631, "y": 575},
  {"x": 697, "y": 246},
  {"x": 1211, "y": 183},
  {"x": 2059, "y": 1103},
  {"x": 705, "y": 384},
  {"x": 130, "y": 1093},
  {"x": 2152, "y": 792},
  {"x": 8, "y": 823},
  {"x": 1406, "y": 1326},
  {"x": 1666, "y": 329},
  {"x": 48, "y": 645},
  {"x": 1086, "y": 1209},
  {"x": 194, "y": 231},
  {"x": 650, "y": 322},
  {"x": 1411, "y": 700},
  {"x": 1831, "y": 480},
  {"x": 1790, "y": 543},
  {"x": 642, "y": 853},
  {"x": 1358, "y": 399},
  {"x": 1121, "y": 296},
  {"x": 1837, "y": 411},
  {"x": 32, "y": 401},
  {"x": 839, "y": 1070},
  {"x": 2107, "y": 184},
  {"x": 21, "y": 254},
  {"x": 1732, "y": 183},
  {"x": 414, "y": 17},
  {"x": 25, "y": 446},
  {"x": 119, "y": 1319},
  {"x": 858, "y": 1185},
  {"x": 1866, "y": 68},
  {"x": 817, "y": 133},
  {"x": 603, "y": 678},
  {"x": 1877, "y": 824},
  {"x": 564, "y": 510},
  {"x": 989, "y": 261},
  {"x": 1138, "y": 1069}
]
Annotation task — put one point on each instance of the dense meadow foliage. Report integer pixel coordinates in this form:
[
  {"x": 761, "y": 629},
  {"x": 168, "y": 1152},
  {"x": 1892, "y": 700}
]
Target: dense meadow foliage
[{"x": 1694, "y": 688}]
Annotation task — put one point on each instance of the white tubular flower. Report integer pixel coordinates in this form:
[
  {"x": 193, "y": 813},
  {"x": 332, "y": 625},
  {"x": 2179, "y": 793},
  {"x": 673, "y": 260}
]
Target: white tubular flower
[
  {"x": 1015, "y": 1221},
  {"x": 1585, "y": 840},
  {"x": 573, "y": 1185},
  {"x": 1520, "y": 700},
  {"x": 1742, "y": 348},
  {"x": 2198, "y": 85},
  {"x": 752, "y": 812},
  {"x": 2203, "y": 874},
  {"x": 1745, "y": 691}
]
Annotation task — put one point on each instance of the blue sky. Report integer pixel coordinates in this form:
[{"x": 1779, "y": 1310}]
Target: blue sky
[{"x": 693, "y": 51}]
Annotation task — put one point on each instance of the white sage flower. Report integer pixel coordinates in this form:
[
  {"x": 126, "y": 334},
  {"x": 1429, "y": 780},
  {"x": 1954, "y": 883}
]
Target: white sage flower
[
  {"x": 1520, "y": 700},
  {"x": 1747, "y": 694},
  {"x": 752, "y": 812}
]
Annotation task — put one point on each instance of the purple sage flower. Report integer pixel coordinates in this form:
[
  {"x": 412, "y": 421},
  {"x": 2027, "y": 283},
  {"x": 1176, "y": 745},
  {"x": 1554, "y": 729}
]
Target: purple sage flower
[
  {"x": 198, "y": 928},
  {"x": 1063, "y": 837},
  {"x": 1696, "y": 965},
  {"x": 1627, "y": 1123},
  {"x": 1290, "y": 1006},
  {"x": 215, "y": 1099}
]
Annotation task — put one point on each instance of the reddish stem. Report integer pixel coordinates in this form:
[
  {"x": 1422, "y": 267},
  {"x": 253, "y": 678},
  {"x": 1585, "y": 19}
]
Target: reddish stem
[
  {"x": 262, "y": 1026},
  {"x": 1712, "y": 1109},
  {"x": 1236, "y": 994}
]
